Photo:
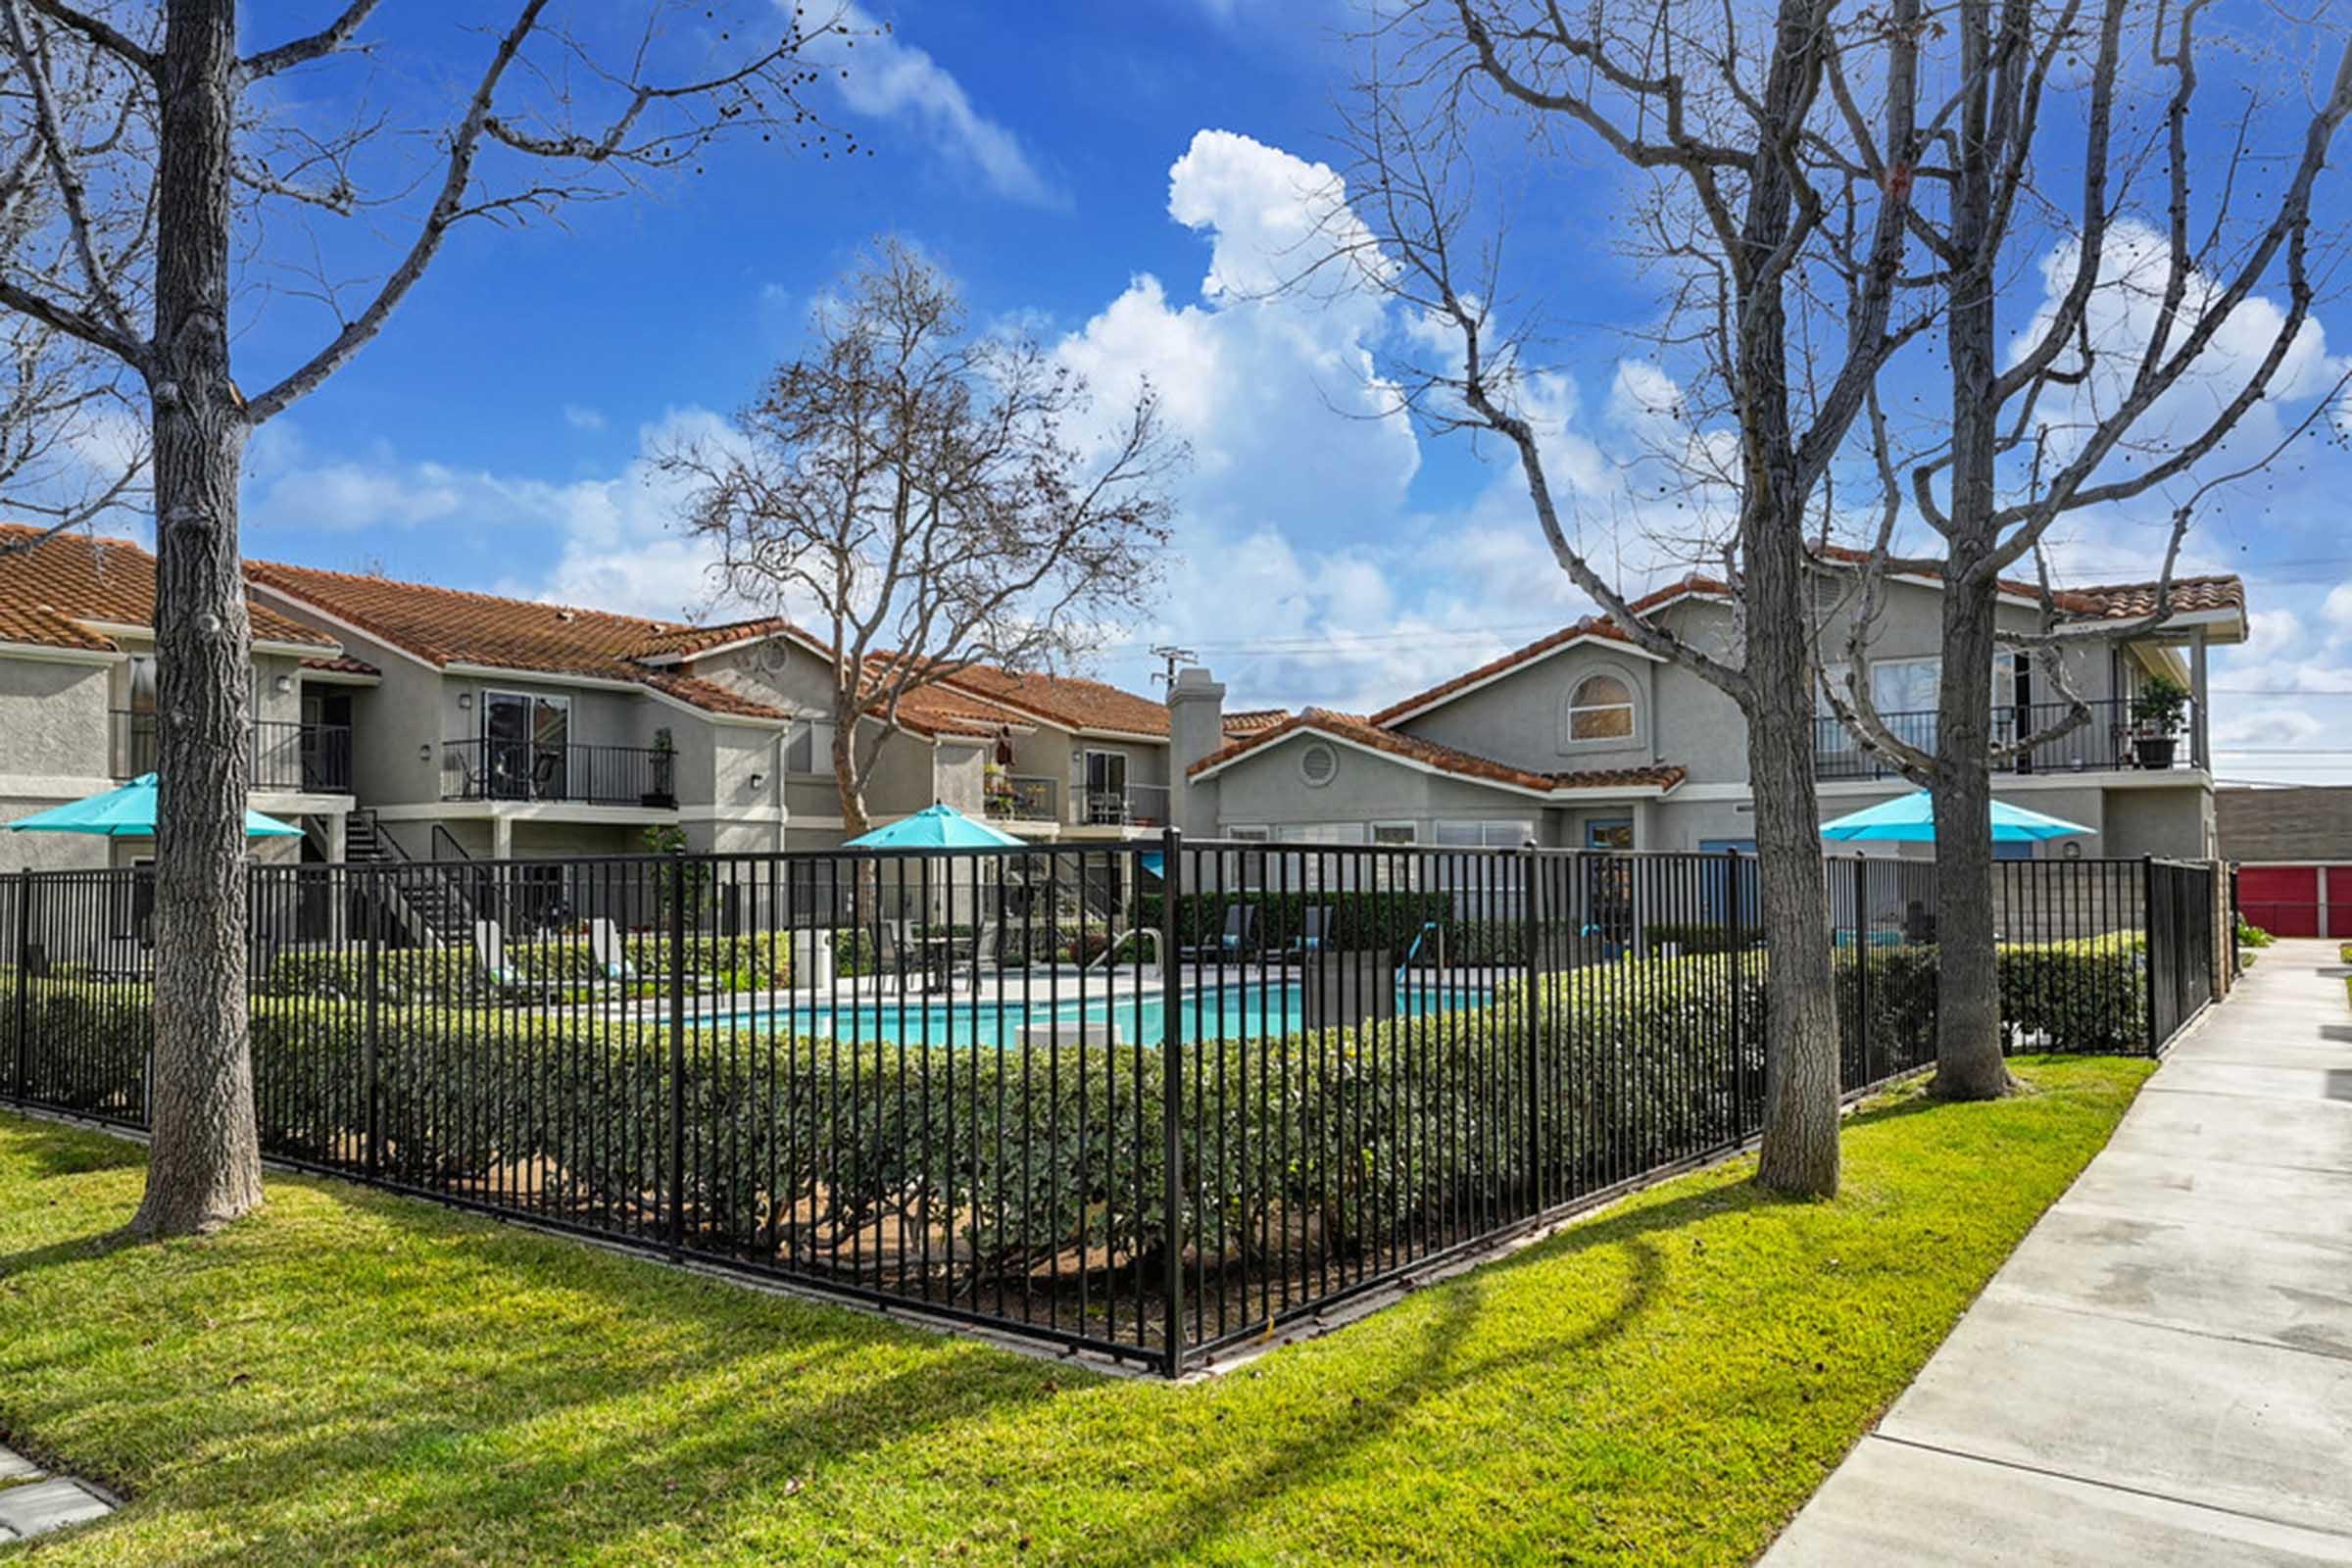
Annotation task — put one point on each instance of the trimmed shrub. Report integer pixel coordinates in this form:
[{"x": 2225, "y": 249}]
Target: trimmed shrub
[{"x": 1357, "y": 919}]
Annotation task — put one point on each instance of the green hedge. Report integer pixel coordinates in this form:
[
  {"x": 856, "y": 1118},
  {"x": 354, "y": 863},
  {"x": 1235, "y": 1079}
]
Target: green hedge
[
  {"x": 1347, "y": 1133},
  {"x": 1333, "y": 1139},
  {"x": 2089, "y": 995},
  {"x": 760, "y": 962},
  {"x": 1357, "y": 920}
]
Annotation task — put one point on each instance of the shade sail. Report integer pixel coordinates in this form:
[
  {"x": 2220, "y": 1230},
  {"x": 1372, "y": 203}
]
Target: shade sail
[
  {"x": 1911, "y": 819},
  {"x": 934, "y": 827},
  {"x": 127, "y": 811}
]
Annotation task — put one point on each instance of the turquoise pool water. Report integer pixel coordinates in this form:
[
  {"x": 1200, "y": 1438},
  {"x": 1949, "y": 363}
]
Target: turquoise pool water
[{"x": 1234, "y": 1013}]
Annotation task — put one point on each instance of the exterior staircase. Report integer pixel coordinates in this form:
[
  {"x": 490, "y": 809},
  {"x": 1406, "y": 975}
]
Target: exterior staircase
[{"x": 424, "y": 900}]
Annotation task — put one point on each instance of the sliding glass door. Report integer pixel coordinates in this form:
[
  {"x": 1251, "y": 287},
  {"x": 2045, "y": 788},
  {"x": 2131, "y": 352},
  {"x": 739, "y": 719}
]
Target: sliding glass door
[{"x": 526, "y": 745}]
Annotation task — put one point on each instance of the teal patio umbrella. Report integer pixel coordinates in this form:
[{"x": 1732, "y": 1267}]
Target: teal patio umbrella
[
  {"x": 935, "y": 827},
  {"x": 129, "y": 812},
  {"x": 1911, "y": 819}
]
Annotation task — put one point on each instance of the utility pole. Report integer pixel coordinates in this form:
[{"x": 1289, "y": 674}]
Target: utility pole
[{"x": 1168, "y": 653}]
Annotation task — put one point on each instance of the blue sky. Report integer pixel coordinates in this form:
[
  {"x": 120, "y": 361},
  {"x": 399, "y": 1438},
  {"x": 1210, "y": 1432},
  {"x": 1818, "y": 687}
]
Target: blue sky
[{"x": 1117, "y": 179}]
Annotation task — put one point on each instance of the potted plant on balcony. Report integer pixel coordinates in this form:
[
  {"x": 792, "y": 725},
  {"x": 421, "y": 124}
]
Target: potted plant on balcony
[
  {"x": 2156, "y": 715},
  {"x": 996, "y": 789},
  {"x": 662, "y": 792}
]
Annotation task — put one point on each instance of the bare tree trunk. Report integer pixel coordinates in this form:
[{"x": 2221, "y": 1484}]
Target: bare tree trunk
[
  {"x": 1800, "y": 1154},
  {"x": 204, "y": 1163},
  {"x": 1968, "y": 1010},
  {"x": 846, "y": 783},
  {"x": 1968, "y": 1003}
]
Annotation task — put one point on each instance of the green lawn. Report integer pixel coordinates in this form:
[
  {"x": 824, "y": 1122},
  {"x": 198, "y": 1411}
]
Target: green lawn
[{"x": 350, "y": 1377}]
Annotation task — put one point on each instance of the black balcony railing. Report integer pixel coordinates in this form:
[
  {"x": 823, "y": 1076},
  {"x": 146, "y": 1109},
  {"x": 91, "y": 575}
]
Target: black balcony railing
[
  {"x": 309, "y": 758},
  {"x": 1136, "y": 805},
  {"x": 556, "y": 770},
  {"x": 2111, "y": 739},
  {"x": 1015, "y": 799}
]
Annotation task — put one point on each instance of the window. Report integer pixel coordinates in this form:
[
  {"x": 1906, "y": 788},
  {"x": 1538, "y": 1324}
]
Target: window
[
  {"x": 1252, "y": 833},
  {"x": 1393, "y": 833},
  {"x": 1318, "y": 765},
  {"x": 809, "y": 748},
  {"x": 1495, "y": 835},
  {"x": 1600, "y": 709}
]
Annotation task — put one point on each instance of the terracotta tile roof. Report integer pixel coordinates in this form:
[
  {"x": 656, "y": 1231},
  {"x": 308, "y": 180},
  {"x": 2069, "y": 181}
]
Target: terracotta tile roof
[
  {"x": 448, "y": 626},
  {"x": 342, "y": 665},
  {"x": 1588, "y": 626},
  {"x": 48, "y": 587},
  {"x": 685, "y": 642},
  {"x": 1412, "y": 747},
  {"x": 1250, "y": 720},
  {"x": 1066, "y": 699},
  {"x": 939, "y": 711},
  {"x": 2128, "y": 601}
]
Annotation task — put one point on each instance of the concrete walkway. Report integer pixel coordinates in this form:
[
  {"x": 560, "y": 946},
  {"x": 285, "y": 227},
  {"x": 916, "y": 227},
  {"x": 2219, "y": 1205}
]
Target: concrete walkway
[
  {"x": 2162, "y": 1374},
  {"x": 32, "y": 1503}
]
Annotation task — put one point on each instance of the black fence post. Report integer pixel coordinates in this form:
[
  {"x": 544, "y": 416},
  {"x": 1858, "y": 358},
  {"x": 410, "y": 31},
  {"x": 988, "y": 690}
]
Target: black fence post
[
  {"x": 1735, "y": 946},
  {"x": 371, "y": 933},
  {"x": 677, "y": 1051},
  {"x": 2149, "y": 940},
  {"x": 1529, "y": 962},
  {"x": 1171, "y": 1096},
  {"x": 21, "y": 1077},
  {"x": 1862, "y": 1030}
]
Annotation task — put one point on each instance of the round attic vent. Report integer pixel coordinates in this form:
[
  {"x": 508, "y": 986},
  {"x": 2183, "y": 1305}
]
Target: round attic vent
[
  {"x": 1317, "y": 763},
  {"x": 774, "y": 656}
]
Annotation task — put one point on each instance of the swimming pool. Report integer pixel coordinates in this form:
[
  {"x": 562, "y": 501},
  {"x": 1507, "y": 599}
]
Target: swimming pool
[{"x": 1236, "y": 1011}]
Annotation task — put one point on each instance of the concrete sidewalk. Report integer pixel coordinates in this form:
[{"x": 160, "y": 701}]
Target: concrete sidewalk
[{"x": 2162, "y": 1373}]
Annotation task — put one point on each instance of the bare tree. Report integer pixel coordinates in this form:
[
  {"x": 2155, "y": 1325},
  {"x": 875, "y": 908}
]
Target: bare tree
[
  {"x": 917, "y": 488},
  {"x": 2080, "y": 415},
  {"x": 1724, "y": 126},
  {"x": 152, "y": 160}
]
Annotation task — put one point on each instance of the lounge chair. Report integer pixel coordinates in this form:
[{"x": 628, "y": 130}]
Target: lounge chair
[
  {"x": 1314, "y": 935},
  {"x": 609, "y": 954},
  {"x": 490, "y": 948},
  {"x": 1239, "y": 937}
]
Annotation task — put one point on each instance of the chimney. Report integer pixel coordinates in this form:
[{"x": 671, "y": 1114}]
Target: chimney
[{"x": 1195, "y": 729}]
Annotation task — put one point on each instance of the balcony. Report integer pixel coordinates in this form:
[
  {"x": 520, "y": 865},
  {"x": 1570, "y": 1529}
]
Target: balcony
[
  {"x": 558, "y": 770},
  {"x": 2109, "y": 741},
  {"x": 304, "y": 759},
  {"x": 1132, "y": 806},
  {"x": 1012, "y": 798}
]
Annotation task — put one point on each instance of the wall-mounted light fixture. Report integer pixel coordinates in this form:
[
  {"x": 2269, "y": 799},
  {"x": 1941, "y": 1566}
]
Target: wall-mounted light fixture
[
  {"x": 282, "y": 685},
  {"x": 464, "y": 701},
  {"x": 2073, "y": 849},
  {"x": 424, "y": 751},
  {"x": 757, "y": 779}
]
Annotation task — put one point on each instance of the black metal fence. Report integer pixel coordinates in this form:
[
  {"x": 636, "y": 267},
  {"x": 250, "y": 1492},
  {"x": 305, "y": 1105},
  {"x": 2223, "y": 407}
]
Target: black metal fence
[{"x": 1258, "y": 1081}]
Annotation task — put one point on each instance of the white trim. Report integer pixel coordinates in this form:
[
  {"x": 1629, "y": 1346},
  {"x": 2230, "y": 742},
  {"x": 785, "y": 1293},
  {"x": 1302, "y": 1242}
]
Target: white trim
[
  {"x": 1531, "y": 661},
  {"x": 527, "y": 812},
  {"x": 2117, "y": 778},
  {"x": 1561, "y": 792},
  {"x": 45, "y": 653},
  {"x": 261, "y": 645},
  {"x": 302, "y": 803},
  {"x": 792, "y": 634},
  {"x": 338, "y": 678},
  {"x": 377, "y": 638}
]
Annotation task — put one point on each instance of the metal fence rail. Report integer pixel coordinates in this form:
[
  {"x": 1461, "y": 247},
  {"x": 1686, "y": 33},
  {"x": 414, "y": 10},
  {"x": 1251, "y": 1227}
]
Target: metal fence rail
[{"x": 1147, "y": 1100}]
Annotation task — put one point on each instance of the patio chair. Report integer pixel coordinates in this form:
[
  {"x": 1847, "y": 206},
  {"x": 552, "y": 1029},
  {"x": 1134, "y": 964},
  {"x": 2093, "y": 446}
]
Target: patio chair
[
  {"x": 490, "y": 950},
  {"x": 1239, "y": 937},
  {"x": 608, "y": 954},
  {"x": 1314, "y": 934}
]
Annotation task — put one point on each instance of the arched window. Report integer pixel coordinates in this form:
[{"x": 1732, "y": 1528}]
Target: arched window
[{"x": 1601, "y": 709}]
